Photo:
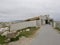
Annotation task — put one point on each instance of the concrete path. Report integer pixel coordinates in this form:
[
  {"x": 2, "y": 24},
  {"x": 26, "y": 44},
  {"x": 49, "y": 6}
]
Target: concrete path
[{"x": 46, "y": 36}]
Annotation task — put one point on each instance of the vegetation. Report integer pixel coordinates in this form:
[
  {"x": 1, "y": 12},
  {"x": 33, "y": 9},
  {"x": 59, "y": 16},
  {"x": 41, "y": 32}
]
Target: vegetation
[
  {"x": 28, "y": 33},
  {"x": 25, "y": 33},
  {"x": 2, "y": 39},
  {"x": 57, "y": 28},
  {"x": 14, "y": 39}
]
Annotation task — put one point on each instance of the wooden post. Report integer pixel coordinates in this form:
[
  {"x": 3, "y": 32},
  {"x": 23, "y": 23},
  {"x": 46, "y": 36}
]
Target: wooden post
[{"x": 9, "y": 28}]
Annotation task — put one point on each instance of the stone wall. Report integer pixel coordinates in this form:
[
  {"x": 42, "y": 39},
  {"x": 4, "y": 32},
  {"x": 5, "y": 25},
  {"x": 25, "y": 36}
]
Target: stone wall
[{"x": 22, "y": 25}]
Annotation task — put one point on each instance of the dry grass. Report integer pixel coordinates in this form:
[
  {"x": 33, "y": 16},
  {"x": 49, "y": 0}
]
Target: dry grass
[{"x": 28, "y": 33}]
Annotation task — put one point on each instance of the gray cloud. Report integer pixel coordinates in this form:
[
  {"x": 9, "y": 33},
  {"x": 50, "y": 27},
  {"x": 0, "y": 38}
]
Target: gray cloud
[{"x": 23, "y": 9}]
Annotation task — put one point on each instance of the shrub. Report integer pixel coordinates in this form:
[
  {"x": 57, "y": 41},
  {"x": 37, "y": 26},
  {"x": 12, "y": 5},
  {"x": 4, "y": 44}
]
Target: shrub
[
  {"x": 14, "y": 39},
  {"x": 2, "y": 39},
  {"x": 28, "y": 33},
  {"x": 57, "y": 28}
]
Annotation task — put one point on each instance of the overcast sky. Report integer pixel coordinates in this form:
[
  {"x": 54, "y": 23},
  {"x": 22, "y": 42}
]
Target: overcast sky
[{"x": 23, "y": 9}]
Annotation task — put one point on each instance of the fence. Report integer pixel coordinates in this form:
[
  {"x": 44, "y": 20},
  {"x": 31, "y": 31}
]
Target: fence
[
  {"x": 22, "y": 25},
  {"x": 56, "y": 24}
]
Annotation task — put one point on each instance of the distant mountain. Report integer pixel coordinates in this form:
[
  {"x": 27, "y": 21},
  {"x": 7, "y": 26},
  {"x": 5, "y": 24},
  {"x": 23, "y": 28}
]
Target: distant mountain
[
  {"x": 17, "y": 21},
  {"x": 12, "y": 21}
]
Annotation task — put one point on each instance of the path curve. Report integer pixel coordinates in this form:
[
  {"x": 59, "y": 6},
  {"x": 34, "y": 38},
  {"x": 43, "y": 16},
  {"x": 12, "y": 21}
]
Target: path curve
[{"x": 47, "y": 36}]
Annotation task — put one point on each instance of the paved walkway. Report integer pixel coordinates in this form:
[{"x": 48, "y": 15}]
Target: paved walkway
[{"x": 46, "y": 36}]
